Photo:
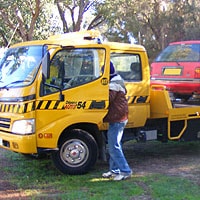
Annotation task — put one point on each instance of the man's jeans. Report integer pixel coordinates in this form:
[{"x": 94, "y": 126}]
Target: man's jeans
[{"x": 117, "y": 160}]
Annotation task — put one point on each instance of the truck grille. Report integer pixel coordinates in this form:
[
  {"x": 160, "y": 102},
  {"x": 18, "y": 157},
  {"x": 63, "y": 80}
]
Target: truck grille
[{"x": 5, "y": 122}]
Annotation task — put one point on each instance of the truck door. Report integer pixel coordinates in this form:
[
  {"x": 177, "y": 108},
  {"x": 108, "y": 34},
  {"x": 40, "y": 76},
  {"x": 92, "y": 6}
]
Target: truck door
[
  {"x": 76, "y": 74},
  {"x": 133, "y": 69},
  {"x": 70, "y": 124}
]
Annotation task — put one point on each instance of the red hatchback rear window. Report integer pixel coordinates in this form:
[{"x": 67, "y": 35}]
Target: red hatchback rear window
[{"x": 180, "y": 53}]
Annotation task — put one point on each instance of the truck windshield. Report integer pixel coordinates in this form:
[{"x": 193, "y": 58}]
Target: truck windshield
[{"x": 19, "y": 66}]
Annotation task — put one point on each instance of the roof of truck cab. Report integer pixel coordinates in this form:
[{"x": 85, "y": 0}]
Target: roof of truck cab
[
  {"x": 112, "y": 45},
  {"x": 79, "y": 39},
  {"x": 125, "y": 46}
]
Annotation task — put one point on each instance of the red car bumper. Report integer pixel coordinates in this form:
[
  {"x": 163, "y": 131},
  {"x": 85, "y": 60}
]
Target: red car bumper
[{"x": 181, "y": 87}]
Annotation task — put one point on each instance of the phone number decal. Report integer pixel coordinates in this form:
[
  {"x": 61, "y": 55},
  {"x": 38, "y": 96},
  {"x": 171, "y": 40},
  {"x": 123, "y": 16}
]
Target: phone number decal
[{"x": 75, "y": 104}]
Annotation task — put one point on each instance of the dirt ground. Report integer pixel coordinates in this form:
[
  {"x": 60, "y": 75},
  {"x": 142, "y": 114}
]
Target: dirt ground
[
  {"x": 168, "y": 159},
  {"x": 181, "y": 160}
]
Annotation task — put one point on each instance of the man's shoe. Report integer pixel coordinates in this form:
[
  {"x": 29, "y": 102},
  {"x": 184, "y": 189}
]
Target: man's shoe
[
  {"x": 109, "y": 175},
  {"x": 122, "y": 176}
]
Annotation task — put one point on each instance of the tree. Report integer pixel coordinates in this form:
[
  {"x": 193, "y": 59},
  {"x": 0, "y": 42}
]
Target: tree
[
  {"x": 153, "y": 23},
  {"x": 72, "y": 14},
  {"x": 17, "y": 19},
  {"x": 20, "y": 18}
]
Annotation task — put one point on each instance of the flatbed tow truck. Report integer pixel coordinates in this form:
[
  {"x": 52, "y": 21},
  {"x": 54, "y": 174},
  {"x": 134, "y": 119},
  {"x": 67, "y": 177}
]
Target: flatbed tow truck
[{"x": 54, "y": 96}]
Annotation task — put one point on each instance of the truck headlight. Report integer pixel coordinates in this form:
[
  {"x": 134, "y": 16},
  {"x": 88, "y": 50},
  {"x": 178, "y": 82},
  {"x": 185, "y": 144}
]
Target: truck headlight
[{"x": 23, "y": 127}]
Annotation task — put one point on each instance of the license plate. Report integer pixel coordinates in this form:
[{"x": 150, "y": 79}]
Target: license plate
[
  {"x": 172, "y": 71},
  {"x": 1, "y": 142}
]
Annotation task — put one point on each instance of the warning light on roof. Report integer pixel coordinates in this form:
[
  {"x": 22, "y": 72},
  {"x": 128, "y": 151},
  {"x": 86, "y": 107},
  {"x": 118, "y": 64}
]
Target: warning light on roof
[{"x": 89, "y": 34}]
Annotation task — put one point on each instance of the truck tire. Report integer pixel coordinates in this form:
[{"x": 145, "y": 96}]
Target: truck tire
[{"x": 77, "y": 153}]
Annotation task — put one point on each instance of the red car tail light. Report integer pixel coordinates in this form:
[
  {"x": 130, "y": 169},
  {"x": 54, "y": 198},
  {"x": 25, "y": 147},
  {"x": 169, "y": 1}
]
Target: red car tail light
[{"x": 197, "y": 72}]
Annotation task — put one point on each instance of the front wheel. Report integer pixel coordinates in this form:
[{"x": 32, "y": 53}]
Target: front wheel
[{"x": 77, "y": 153}]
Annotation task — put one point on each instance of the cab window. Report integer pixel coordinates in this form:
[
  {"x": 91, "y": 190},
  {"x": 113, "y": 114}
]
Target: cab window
[
  {"x": 128, "y": 66},
  {"x": 74, "y": 67}
]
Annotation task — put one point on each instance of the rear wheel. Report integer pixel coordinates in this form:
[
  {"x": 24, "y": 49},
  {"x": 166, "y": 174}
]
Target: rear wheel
[
  {"x": 184, "y": 97},
  {"x": 77, "y": 153}
]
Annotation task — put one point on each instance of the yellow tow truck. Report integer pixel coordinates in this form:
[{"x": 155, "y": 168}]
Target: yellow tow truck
[{"x": 53, "y": 97}]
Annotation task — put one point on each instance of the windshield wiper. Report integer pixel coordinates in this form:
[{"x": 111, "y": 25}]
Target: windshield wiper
[{"x": 14, "y": 82}]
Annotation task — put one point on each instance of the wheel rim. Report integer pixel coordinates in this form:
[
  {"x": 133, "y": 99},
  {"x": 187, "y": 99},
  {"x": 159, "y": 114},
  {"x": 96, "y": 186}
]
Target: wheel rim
[{"x": 74, "y": 153}]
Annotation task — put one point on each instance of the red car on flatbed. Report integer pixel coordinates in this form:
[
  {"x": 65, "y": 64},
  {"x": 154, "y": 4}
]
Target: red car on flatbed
[{"x": 178, "y": 68}]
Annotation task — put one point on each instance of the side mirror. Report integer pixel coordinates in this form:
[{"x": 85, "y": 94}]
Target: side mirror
[{"x": 46, "y": 65}]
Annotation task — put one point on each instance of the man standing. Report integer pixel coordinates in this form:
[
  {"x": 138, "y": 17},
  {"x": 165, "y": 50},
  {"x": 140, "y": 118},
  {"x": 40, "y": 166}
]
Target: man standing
[{"x": 117, "y": 118}]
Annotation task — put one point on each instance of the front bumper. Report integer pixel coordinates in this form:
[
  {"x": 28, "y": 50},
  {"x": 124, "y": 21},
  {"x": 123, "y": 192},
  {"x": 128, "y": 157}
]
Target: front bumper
[{"x": 18, "y": 143}]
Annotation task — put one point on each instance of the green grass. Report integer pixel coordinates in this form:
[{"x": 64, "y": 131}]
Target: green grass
[
  {"x": 38, "y": 179},
  {"x": 172, "y": 188}
]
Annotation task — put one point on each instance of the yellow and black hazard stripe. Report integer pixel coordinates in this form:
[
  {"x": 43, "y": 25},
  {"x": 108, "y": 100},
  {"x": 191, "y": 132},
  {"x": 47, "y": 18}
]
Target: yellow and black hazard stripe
[
  {"x": 17, "y": 104},
  {"x": 17, "y": 108},
  {"x": 139, "y": 99},
  {"x": 20, "y": 104},
  {"x": 50, "y": 105},
  {"x": 31, "y": 106}
]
